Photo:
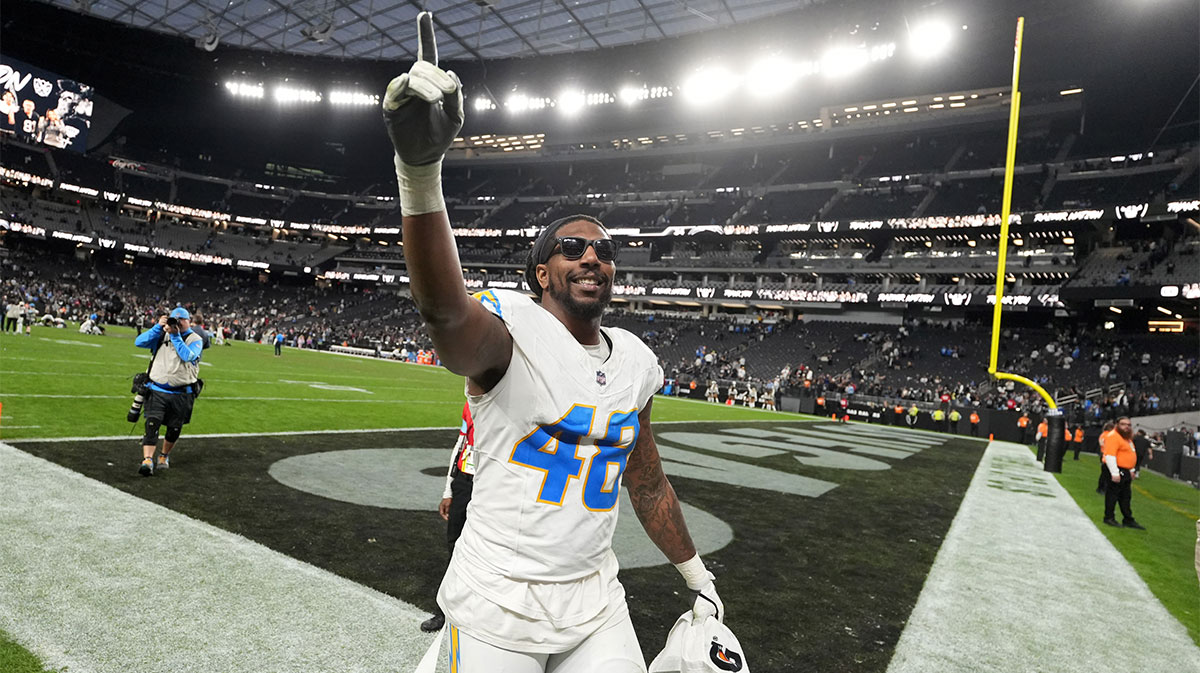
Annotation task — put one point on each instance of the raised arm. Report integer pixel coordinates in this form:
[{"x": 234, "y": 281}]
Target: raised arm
[{"x": 423, "y": 111}]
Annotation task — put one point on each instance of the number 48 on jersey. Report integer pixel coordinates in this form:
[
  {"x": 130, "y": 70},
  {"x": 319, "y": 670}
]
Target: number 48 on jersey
[{"x": 553, "y": 449}]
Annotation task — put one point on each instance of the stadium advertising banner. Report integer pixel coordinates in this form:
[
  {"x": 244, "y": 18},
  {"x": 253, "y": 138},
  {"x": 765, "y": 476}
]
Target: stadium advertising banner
[{"x": 44, "y": 108}]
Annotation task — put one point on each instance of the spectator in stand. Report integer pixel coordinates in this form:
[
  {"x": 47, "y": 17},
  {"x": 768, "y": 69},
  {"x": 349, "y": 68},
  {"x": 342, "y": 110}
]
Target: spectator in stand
[{"x": 1120, "y": 459}]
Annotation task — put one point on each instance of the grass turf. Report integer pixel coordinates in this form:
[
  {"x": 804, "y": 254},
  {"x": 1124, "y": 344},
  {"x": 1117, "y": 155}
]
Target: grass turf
[
  {"x": 59, "y": 383},
  {"x": 17, "y": 659},
  {"x": 1164, "y": 553}
]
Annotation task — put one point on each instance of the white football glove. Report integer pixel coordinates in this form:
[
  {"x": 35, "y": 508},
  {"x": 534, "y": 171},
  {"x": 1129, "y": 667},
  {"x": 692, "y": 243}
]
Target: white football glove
[
  {"x": 708, "y": 603},
  {"x": 700, "y": 580},
  {"x": 423, "y": 112}
]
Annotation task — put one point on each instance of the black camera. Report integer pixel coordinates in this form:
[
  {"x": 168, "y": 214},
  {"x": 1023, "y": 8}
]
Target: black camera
[
  {"x": 140, "y": 391},
  {"x": 135, "y": 410},
  {"x": 172, "y": 322}
]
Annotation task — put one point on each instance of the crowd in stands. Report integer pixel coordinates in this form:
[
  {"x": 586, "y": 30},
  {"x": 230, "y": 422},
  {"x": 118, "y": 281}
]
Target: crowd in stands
[{"x": 1107, "y": 373}]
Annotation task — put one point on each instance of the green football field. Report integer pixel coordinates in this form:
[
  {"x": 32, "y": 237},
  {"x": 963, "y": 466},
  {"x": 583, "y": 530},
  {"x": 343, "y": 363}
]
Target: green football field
[
  {"x": 59, "y": 383},
  {"x": 848, "y": 563}
]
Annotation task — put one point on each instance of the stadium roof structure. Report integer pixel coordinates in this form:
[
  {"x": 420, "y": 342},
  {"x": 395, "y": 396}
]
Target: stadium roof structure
[{"x": 467, "y": 29}]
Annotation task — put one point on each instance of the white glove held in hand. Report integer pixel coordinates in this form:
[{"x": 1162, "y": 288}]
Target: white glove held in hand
[
  {"x": 700, "y": 580},
  {"x": 423, "y": 112}
]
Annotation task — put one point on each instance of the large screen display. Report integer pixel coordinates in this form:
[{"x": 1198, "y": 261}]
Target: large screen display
[{"x": 41, "y": 107}]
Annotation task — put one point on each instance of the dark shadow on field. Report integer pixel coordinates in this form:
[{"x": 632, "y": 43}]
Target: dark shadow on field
[{"x": 811, "y": 584}]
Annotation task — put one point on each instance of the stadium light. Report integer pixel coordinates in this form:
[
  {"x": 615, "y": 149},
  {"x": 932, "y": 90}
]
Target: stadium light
[
  {"x": 1110, "y": 325},
  {"x": 519, "y": 102},
  {"x": 632, "y": 94},
  {"x": 287, "y": 94},
  {"x": 571, "y": 101},
  {"x": 244, "y": 89},
  {"x": 842, "y": 61},
  {"x": 708, "y": 85},
  {"x": 929, "y": 39},
  {"x": 482, "y": 103},
  {"x": 353, "y": 98},
  {"x": 1163, "y": 310},
  {"x": 772, "y": 76}
]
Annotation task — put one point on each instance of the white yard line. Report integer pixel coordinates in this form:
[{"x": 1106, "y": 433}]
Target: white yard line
[
  {"x": 1026, "y": 582},
  {"x": 97, "y": 580}
]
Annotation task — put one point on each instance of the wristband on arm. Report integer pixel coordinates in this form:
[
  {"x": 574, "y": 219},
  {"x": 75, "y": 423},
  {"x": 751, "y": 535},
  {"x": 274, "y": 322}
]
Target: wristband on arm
[{"x": 420, "y": 188}]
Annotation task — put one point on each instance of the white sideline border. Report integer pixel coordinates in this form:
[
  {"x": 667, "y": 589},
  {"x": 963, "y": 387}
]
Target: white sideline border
[
  {"x": 1025, "y": 582},
  {"x": 100, "y": 581}
]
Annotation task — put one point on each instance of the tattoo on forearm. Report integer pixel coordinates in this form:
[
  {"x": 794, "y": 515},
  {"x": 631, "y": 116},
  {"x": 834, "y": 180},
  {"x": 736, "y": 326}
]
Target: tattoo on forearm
[{"x": 657, "y": 508}]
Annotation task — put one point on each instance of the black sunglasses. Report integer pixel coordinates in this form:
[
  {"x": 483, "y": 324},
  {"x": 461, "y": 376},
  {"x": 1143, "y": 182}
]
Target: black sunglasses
[{"x": 573, "y": 247}]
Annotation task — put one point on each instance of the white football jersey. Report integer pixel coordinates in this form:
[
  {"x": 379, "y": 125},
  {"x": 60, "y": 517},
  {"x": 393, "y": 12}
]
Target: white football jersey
[{"x": 551, "y": 442}]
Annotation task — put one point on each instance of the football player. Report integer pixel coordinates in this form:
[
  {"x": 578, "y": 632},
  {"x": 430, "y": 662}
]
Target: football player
[
  {"x": 27, "y": 121},
  {"x": 562, "y": 412}
]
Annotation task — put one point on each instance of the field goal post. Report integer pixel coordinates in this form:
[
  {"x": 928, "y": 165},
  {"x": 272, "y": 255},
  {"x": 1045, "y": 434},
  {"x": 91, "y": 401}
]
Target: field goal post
[{"x": 1054, "y": 419}]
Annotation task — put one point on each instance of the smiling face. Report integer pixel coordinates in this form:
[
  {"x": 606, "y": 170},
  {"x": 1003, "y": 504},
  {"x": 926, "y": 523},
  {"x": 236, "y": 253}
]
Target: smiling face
[{"x": 581, "y": 287}]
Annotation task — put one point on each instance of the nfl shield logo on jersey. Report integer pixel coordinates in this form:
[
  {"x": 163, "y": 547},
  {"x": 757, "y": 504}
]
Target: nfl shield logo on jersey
[{"x": 601, "y": 379}]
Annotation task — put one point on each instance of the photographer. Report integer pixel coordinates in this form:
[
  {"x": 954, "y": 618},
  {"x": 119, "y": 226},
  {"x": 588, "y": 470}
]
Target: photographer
[{"x": 173, "y": 384}]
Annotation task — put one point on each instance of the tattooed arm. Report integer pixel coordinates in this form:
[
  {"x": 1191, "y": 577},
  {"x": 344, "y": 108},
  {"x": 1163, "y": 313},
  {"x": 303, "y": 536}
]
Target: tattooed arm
[{"x": 653, "y": 497}]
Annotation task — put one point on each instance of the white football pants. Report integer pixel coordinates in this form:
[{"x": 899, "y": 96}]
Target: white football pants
[{"x": 612, "y": 649}]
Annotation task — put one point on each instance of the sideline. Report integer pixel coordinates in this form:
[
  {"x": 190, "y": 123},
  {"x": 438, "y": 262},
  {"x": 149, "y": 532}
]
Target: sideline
[
  {"x": 1025, "y": 582},
  {"x": 98, "y": 581}
]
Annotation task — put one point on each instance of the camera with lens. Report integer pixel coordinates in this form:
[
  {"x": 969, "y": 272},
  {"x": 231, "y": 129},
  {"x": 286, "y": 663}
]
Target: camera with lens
[
  {"x": 140, "y": 391},
  {"x": 172, "y": 322}
]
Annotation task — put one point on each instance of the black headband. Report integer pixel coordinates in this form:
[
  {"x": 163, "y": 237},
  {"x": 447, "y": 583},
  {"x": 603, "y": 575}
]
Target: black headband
[{"x": 543, "y": 247}]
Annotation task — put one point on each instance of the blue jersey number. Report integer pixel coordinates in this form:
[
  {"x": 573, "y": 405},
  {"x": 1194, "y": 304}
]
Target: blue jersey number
[{"x": 553, "y": 450}]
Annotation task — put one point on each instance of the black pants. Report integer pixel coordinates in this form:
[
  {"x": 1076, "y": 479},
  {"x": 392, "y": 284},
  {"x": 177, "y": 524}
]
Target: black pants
[
  {"x": 1118, "y": 493},
  {"x": 10, "y": 324},
  {"x": 278, "y": 348},
  {"x": 460, "y": 494},
  {"x": 974, "y": 429},
  {"x": 1102, "y": 484},
  {"x": 1041, "y": 449}
]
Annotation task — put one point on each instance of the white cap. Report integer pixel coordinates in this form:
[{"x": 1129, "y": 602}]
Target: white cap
[{"x": 701, "y": 647}]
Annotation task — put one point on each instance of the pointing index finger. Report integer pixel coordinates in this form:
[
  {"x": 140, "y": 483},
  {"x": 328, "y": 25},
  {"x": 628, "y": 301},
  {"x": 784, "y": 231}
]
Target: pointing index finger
[{"x": 427, "y": 43}]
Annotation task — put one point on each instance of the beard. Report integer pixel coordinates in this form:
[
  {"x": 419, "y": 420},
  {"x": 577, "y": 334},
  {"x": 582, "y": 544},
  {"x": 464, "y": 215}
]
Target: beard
[
  {"x": 1127, "y": 434},
  {"x": 584, "y": 310}
]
